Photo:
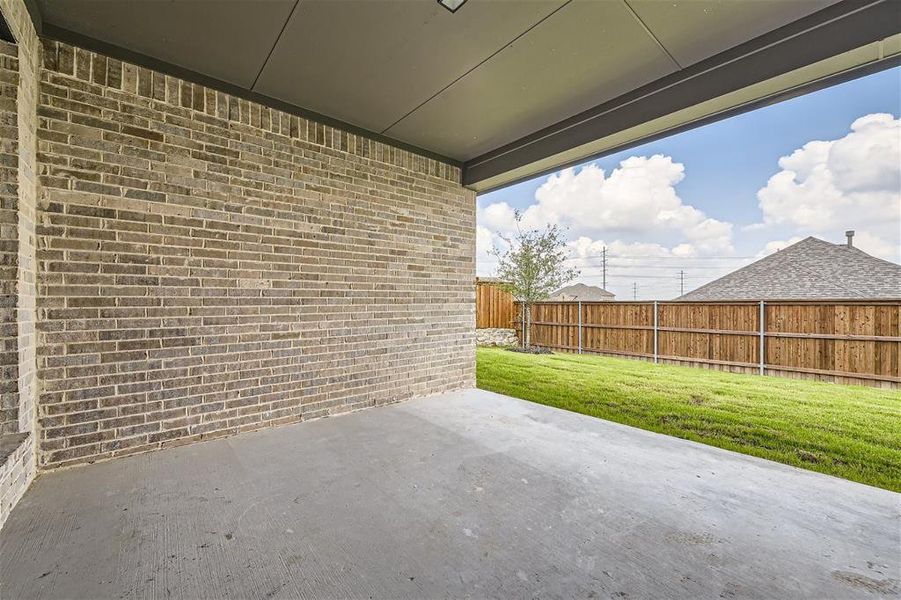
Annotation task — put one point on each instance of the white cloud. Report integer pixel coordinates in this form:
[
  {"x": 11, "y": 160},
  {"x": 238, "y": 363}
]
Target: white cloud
[
  {"x": 585, "y": 247},
  {"x": 636, "y": 207},
  {"x": 651, "y": 234},
  {"x": 827, "y": 187},
  {"x": 499, "y": 216},
  {"x": 637, "y": 199},
  {"x": 485, "y": 241},
  {"x": 653, "y": 267},
  {"x": 884, "y": 247},
  {"x": 776, "y": 245}
]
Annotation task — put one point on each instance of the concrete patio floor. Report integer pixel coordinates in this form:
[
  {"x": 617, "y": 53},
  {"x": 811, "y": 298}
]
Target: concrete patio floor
[{"x": 466, "y": 494}]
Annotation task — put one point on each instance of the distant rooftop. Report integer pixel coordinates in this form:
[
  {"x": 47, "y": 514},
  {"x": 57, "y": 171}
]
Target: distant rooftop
[
  {"x": 580, "y": 291},
  {"x": 809, "y": 269}
]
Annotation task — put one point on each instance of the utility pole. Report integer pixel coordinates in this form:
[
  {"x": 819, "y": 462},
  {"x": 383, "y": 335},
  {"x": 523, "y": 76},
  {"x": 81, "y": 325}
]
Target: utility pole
[
  {"x": 604, "y": 266},
  {"x": 634, "y": 291},
  {"x": 681, "y": 283}
]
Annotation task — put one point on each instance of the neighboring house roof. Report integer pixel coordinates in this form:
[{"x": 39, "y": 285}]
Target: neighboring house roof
[
  {"x": 809, "y": 269},
  {"x": 580, "y": 291}
]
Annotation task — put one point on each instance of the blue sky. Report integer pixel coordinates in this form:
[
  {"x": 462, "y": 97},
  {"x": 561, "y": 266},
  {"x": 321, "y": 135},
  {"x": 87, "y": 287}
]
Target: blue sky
[{"x": 724, "y": 166}]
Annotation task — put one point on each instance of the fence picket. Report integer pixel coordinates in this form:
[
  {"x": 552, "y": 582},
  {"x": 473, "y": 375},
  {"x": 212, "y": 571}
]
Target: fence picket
[
  {"x": 494, "y": 306},
  {"x": 844, "y": 341}
]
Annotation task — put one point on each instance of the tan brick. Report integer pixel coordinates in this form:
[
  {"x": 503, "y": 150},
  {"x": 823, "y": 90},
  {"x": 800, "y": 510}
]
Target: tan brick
[{"x": 208, "y": 265}]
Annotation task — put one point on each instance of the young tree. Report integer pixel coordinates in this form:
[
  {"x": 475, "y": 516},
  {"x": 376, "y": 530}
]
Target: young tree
[{"x": 532, "y": 267}]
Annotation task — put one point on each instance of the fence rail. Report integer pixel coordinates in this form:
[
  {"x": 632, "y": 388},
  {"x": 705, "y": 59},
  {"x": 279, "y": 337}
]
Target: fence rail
[{"x": 855, "y": 342}]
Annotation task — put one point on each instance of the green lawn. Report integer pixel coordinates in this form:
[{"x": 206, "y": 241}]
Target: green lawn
[{"x": 847, "y": 431}]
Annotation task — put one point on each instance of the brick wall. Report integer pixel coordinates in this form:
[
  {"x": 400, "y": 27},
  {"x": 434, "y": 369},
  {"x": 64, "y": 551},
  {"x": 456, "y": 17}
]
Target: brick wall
[
  {"x": 17, "y": 469},
  {"x": 208, "y": 265},
  {"x": 26, "y": 307},
  {"x": 19, "y": 66},
  {"x": 9, "y": 239}
]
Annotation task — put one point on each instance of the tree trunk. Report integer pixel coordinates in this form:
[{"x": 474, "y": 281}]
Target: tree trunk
[
  {"x": 527, "y": 334},
  {"x": 521, "y": 330}
]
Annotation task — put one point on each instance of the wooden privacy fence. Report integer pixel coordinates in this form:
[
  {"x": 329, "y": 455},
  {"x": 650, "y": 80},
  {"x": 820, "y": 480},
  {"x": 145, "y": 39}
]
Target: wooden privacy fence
[
  {"x": 855, "y": 342},
  {"x": 494, "y": 306}
]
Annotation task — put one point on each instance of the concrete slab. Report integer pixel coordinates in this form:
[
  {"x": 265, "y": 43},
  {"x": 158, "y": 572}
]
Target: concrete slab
[{"x": 467, "y": 494}]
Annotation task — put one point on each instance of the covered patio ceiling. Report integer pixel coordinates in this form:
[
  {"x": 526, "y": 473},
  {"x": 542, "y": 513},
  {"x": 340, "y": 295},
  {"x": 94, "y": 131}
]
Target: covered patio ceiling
[{"x": 507, "y": 89}]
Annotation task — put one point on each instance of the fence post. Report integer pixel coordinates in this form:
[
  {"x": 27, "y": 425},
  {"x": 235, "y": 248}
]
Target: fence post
[
  {"x": 655, "y": 332},
  {"x": 762, "y": 335},
  {"x": 580, "y": 327}
]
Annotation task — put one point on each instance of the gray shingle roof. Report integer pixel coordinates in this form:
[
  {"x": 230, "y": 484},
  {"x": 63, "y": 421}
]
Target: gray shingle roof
[
  {"x": 809, "y": 269},
  {"x": 580, "y": 291}
]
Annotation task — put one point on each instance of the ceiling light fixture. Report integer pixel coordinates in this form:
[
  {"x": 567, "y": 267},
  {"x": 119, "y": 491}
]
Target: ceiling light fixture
[{"x": 452, "y": 5}]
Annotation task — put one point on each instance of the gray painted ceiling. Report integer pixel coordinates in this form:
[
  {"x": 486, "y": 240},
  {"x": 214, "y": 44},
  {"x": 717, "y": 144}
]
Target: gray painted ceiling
[
  {"x": 227, "y": 40},
  {"x": 455, "y": 84},
  {"x": 391, "y": 56},
  {"x": 693, "y": 30},
  {"x": 585, "y": 54}
]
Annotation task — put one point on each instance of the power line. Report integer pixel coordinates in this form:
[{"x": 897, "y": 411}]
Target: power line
[
  {"x": 645, "y": 258},
  {"x": 658, "y": 267},
  {"x": 647, "y": 276},
  {"x": 650, "y": 257},
  {"x": 612, "y": 266},
  {"x": 629, "y": 260},
  {"x": 663, "y": 257}
]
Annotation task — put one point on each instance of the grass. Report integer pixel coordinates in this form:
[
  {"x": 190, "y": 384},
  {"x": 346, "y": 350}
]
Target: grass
[{"x": 847, "y": 431}]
